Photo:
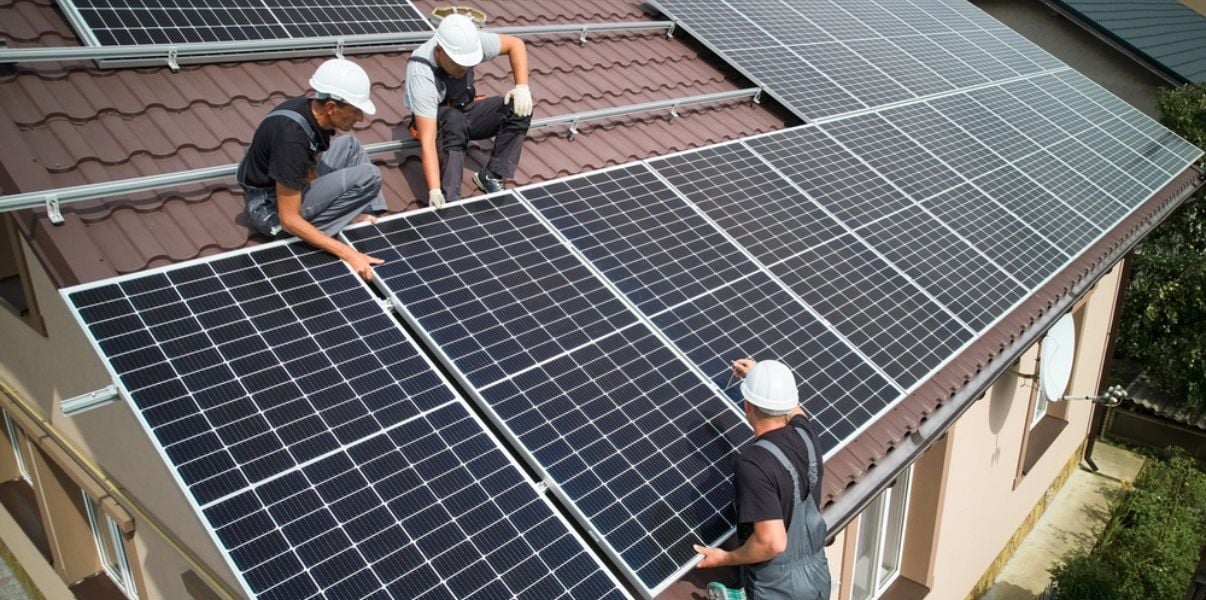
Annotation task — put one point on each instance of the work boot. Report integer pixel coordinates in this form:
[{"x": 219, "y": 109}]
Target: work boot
[
  {"x": 718, "y": 591},
  {"x": 487, "y": 182}
]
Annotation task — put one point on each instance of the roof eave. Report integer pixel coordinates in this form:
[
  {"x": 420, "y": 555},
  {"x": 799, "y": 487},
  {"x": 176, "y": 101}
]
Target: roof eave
[{"x": 1040, "y": 312}]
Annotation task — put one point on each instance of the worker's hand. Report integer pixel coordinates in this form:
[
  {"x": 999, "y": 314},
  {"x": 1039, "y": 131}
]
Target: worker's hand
[
  {"x": 520, "y": 99},
  {"x": 362, "y": 264},
  {"x": 742, "y": 366},
  {"x": 435, "y": 198},
  {"x": 712, "y": 557}
]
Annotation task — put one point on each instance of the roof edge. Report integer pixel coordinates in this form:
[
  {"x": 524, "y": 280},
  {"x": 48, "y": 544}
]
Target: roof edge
[
  {"x": 1116, "y": 42},
  {"x": 1108, "y": 251}
]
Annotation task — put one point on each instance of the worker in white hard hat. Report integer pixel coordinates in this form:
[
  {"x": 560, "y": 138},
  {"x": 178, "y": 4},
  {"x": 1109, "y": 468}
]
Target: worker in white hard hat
[
  {"x": 780, "y": 532},
  {"x": 448, "y": 113},
  {"x": 297, "y": 181}
]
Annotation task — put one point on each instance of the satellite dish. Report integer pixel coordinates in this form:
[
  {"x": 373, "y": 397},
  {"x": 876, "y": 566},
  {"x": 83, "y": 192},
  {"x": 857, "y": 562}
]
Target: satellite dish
[{"x": 1059, "y": 350}]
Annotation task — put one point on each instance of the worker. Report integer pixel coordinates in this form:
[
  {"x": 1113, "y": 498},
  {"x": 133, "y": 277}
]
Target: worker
[
  {"x": 447, "y": 112},
  {"x": 296, "y": 180},
  {"x": 780, "y": 531}
]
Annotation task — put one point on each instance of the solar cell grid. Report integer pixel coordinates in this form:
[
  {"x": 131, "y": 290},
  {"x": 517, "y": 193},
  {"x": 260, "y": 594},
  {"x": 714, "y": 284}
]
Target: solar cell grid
[
  {"x": 962, "y": 151},
  {"x": 985, "y": 126},
  {"x": 915, "y": 17},
  {"x": 1031, "y": 93},
  {"x": 755, "y": 317},
  {"x": 987, "y": 42},
  {"x": 782, "y": 21},
  {"x": 880, "y": 20},
  {"x": 797, "y": 84},
  {"x": 830, "y": 174},
  {"x": 936, "y": 58},
  {"x": 1063, "y": 182},
  {"x": 889, "y": 59},
  {"x": 637, "y": 442},
  {"x": 989, "y": 67},
  {"x": 247, "y": 366},
  {"x": 1023, "y": 252},
  {"x": 830, "y": 17},
  {"x": 1033, "y": 52},
  {"x": 1106, "y": 174},
  {"x": 1147, "y": 176},
  {"x": 489, "y": 282},
  {"x": 889, "y": 319},
  {"x": 1166, "y": 159},
  {"x": 759, "y": 209},
  {"x": 128, "y": 22},
  {"x": 892, "y": 154},
  {"x": 431, "y": 508},
  {"x": 1067, "y": 229},
  {"x": 1029, "y": 120},
  {"x": 965, "y": 11},
  {"x": 649, "y": 242},
  {"x": 855, "y": 75},
  {"x": 948, "y": 267}
]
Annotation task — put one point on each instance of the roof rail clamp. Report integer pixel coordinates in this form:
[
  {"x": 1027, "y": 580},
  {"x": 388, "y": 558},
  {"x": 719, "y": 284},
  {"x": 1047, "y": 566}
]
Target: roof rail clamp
[
  {"x": 173, "y": 64},
  {"x": 670, "y": 30},
  {"x": 757, "y": 99},
  {"x": 582, "y": 37},
  {"x": 573, "y": 129},
  {"x": 339, "y": 48},
  {"x": 52, "y": 209},
  {"x": 674, "y": 112},
  {"x": 83, "y": 402}
]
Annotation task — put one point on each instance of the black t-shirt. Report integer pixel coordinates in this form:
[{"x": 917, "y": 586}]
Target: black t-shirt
[
  {"x": 763, "y": 486},
  {"x": 280, "y": 149}
]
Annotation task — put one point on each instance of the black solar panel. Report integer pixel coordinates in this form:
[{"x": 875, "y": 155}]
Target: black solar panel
[
  {"x": 312, "y": 435},
  {"x": 136, "y": 22},
  {"x": 640, "y": 446},
  {"x": 696, "y": 286}
]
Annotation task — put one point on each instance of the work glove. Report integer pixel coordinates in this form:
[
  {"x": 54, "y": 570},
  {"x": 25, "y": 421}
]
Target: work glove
[
  {"x": 520, "y": 99},
  {"x": 435, "y": 198}
]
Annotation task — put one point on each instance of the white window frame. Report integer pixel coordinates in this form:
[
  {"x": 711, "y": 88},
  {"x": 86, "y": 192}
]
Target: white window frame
[
  {"x": 883, "y": 528},
  {"x": 16, "y": 442},
  {"x": 116, "y": 567},
  {"x": 1040, "y": 408}
]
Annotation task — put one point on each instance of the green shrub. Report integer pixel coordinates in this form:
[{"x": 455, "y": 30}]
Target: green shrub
[{"x": 1151, "y": 544}]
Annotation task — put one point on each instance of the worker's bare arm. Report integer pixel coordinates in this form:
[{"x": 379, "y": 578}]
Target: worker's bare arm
[
  {"x": 768, "y": 540},
  {"x": 288, "y": 207}
]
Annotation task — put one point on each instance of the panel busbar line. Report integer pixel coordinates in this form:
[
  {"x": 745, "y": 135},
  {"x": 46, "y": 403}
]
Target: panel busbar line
[
  {"x": 141, "y": 22},
  {"x": 638, "y": 445},
  {"x": 326, "y": 454},
  {"x": 705, "y": 295}
]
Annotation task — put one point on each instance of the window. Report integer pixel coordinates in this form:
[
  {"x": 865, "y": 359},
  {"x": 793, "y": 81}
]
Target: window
[
  {"x": 1040, "y": 408},
  {"x": 16, "y": 293},
  {"x": 15, "y": 440},
  {"x": 880, "y": 540},
  {"x": 110, "y": 545}
]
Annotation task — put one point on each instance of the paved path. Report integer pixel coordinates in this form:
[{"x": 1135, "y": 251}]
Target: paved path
[{"x": 1074, "y": 519}]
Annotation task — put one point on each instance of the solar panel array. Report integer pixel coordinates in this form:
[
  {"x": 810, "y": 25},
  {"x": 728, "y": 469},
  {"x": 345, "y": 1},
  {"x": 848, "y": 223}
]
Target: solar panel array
[
  {"x": 139, "y": 22},
  {"x": 640, "y": 446},
  {"x": 821, "y": 58},
  {"x": 327, "y": 455}
]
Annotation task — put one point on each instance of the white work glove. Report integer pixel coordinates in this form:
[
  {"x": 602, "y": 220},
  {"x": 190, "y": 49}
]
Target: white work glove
[
  {"x": 435, "y": 198},
  {"x": 520, "y": 99}
]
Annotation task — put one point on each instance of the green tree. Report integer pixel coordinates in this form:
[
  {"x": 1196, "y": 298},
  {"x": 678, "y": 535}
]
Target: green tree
[{"x": 1164, "y": 317}]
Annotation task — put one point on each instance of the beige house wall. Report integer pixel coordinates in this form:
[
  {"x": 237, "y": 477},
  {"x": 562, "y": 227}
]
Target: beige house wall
[
  {"x": 985, "y": 500},
  {"x": 42, "y": 371}
]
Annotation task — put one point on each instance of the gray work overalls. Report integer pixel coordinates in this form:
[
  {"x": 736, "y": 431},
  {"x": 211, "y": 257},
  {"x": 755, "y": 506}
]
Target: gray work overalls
[
  {"x": 348, "y": 185},
  {"x": 801, "y": 572}
]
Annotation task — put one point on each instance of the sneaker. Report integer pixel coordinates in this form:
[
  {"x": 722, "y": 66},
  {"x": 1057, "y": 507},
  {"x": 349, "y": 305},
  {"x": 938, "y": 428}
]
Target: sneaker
[
  {"x": 718, "y": 591},
  {"x": 487, "y": 183}
]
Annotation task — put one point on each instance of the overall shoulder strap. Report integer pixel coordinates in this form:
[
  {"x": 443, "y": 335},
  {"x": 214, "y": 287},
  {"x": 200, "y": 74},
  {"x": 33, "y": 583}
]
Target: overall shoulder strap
[
  {"x": 782, "y": 458},
  {"x": 812, "y": 462},
  {"x": 300, "y": 120}
]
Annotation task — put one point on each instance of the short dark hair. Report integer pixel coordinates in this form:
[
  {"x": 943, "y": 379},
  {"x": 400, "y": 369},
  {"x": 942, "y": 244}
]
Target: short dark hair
[{"x": 763, "y": 413}]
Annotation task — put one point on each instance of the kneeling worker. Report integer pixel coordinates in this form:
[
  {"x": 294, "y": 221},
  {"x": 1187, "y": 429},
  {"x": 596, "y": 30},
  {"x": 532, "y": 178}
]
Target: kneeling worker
[
  {"x": 778, "y": 482},
  {"x": 287, "y": 187},
  {"x": 448, "y": 113}
]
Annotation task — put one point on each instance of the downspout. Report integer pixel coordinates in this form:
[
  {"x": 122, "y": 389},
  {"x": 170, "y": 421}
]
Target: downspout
[
  {"x": 1097, "y": 419},
  {"x": 127, "y": 502}
]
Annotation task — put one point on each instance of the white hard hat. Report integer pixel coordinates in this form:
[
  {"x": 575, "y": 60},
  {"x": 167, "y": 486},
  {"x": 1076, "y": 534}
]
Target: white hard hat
[
  {"x": 458, "y": 36},
  {"x": 770, "y": 385},
  {"x": 345, "y": 81}
]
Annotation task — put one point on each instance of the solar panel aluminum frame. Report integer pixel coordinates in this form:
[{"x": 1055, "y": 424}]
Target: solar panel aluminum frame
[
  {"x": 537, "y": 487},
  {"x": 519, "y": 448}
]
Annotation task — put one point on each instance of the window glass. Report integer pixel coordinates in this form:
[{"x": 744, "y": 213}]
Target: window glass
[
  {"x": 880, "y": 546},
  {"x": 110, "y": 547}
]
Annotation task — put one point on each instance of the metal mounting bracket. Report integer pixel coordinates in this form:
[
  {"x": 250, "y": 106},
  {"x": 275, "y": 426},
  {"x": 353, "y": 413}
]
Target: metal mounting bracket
[
  {"x": 573, "y": 129},
  {"x": 339, "y": 48},
  {"x": 52, "y": 209},
  {"x": 582, "y": 37},
  {"x": 673, "y": 113},
  {"x": 89, "y": 401},
  {"x": 670, "y": 30},
  {"x": 172, "y": 59},
  {"x": 757, "y": 99}
]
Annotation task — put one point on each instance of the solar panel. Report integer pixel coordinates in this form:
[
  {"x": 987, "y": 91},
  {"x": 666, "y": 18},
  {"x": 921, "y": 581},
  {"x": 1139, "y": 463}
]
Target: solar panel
[
  {"x": 893, "y": 155},
  {"x": 326, "y": 454},
  {"x": 1061, "y": 225},
  {"x": 639, "y": 446},
  {"x": 956, "y": 147},
  {"x": 134, "y": 22},
  {"x": 705, "y": 294}
]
